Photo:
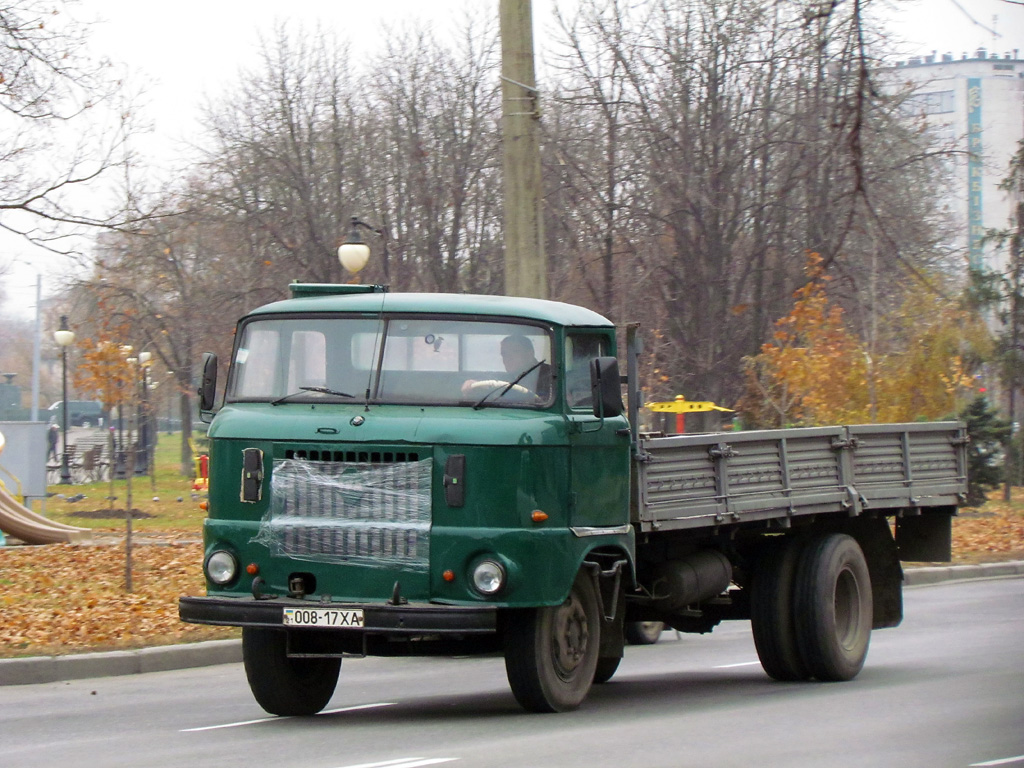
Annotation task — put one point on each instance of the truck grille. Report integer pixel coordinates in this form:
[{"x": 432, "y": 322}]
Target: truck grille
[{"x": 370, "y": 512}]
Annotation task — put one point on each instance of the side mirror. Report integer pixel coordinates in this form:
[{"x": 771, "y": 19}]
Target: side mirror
[
  {"x": 208, "y": 386},
  {"x": 606, "y": 387}
]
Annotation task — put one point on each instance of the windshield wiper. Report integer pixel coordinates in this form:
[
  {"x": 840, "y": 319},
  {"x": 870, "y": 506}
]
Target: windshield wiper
[
  {"x": 508, "y": 386},
  {"x": 321, "y": 390}
]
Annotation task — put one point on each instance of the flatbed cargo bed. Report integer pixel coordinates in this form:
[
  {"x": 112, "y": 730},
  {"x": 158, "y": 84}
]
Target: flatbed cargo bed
[{"x": 706, "y": 480}]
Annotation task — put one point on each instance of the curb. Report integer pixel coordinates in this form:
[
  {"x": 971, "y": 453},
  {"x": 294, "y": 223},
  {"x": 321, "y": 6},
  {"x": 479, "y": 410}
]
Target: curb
[
  {"x": 936, "y": 574},
  {"x": 52, "y": 669}
]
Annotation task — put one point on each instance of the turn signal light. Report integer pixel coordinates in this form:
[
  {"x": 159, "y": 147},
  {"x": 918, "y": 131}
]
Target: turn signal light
[
  {"x": 204, "y": 505},
  {"x": 538, "y": 517},
  {"x": 448, "y": 575},
  {"x": 252, "y": 569}
]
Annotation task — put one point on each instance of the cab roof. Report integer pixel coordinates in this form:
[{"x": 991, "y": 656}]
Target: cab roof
[{"x": 321, "y": 298}]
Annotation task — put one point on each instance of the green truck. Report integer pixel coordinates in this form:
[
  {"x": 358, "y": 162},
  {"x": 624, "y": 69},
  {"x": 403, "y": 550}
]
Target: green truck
[{"x": 396, "y": 474}]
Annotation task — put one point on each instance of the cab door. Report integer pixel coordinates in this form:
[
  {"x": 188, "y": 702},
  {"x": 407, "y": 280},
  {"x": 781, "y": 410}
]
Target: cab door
[{"x": 598, "y": 448}]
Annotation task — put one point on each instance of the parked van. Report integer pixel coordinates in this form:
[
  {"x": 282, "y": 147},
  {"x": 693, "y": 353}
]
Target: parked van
[{"x": 81, "y": 413}]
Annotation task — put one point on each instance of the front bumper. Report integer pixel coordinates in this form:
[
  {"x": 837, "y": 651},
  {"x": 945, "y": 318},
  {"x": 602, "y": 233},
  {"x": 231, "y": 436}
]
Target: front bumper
[{"x": 378, "y": 619}]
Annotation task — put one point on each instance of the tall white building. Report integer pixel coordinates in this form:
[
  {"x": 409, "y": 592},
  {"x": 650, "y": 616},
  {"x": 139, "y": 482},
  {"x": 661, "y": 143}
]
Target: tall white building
[{"x": 974, "y": 104}]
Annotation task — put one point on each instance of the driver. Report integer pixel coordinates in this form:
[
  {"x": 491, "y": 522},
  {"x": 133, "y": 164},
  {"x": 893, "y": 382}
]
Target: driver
[{"x": 517, "y": 355}]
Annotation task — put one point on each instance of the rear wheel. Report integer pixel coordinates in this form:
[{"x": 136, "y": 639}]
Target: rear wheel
[
  {"x": 551, "y": 654},
  {"x": 282, "y": 685},
  {"x": 772, "y": 619},
  {"x": 833, "y": 600}
]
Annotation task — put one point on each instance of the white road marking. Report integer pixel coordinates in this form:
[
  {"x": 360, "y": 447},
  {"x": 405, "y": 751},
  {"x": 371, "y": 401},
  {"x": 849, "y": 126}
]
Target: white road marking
[
  {"x": 405, "y": 762},
  {"x": 270, "y": 719},
  {"x": 1004, "y": 761},
  {"x": 228, "y": 725},
  {"x": 741, "y": 664},
  {"x": 357, "y": 707}
]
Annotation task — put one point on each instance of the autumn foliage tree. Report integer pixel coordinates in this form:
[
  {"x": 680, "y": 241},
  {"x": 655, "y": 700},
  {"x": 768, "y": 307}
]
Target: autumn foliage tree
[
  {"x": 929, "y": 347},
  {"x": 815, "y": 371},
  {"x": 103, "y": 372}
]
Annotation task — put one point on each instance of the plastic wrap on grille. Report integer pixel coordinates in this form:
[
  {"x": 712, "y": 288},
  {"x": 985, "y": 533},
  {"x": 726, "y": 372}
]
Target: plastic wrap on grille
[{"x": 372, "y": 514}]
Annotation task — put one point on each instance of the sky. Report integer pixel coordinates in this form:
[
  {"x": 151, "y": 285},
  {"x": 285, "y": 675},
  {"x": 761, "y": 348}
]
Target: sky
[
  {"x": 187, "y": 50},
  {"x": 958, "y": 26}
]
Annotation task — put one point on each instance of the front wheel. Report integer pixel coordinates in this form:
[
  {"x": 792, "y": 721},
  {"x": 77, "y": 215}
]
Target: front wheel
[
  {"x": 606, "y": 668},
  {"x": 551, "y": 653},
  {"x": 833, "y": 601},
  {"x": 282, "y": 685}
]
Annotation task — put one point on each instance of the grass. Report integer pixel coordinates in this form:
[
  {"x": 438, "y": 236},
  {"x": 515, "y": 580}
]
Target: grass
[{"x": 167, "y": 496}]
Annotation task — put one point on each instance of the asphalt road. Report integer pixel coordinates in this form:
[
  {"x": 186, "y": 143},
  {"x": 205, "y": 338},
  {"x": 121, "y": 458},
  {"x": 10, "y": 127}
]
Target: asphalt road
[{"x": 944, "y": 689}]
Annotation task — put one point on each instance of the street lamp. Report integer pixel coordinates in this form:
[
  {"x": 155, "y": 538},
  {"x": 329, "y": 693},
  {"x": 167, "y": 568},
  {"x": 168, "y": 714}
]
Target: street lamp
[
  {"x": 64, "y": 337},
  {"x": 354, "y": 253}
]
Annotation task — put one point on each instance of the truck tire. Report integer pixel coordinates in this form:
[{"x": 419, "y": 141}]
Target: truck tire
[
  {"x": 833, "y": 600},
  {"x": 605, "y": 669},
  {"x": 772, "y": 619},
  {"x": 551, "y": 653},
  {"x": 643, "y": 632},
  {"x": 281, "y": 685}
]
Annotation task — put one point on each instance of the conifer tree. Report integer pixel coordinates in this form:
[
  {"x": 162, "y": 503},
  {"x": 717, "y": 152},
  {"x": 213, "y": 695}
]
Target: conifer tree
[{"x": 988, "y": 434}]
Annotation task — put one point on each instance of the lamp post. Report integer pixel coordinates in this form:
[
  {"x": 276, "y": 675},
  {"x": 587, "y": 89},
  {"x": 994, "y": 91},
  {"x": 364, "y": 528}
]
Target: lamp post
[
  {"x": 133, "y": 434},
  {"x": 119, "y": 468},
  {"x": 169, "y": 380},
  {"x": 64, "y": 337},
  {"x": 354, "y": 252},
  {"x": 144, "y": 358}
]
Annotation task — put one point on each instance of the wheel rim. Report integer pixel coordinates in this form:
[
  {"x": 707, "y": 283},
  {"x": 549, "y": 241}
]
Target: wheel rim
[
  {"x": 570, "y": 637},
  {"x": 847, "y": 609}
]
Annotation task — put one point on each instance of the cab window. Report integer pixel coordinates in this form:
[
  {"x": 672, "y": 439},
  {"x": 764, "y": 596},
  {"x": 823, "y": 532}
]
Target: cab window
[{"x": 580, "y": 349}]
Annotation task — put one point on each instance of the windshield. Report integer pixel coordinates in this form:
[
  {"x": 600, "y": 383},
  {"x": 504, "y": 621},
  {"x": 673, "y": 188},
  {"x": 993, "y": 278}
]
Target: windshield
[{"x": 413, "y": 360}]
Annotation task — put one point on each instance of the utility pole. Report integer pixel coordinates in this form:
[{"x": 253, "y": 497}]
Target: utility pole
[{"x": 526, "y": 268}]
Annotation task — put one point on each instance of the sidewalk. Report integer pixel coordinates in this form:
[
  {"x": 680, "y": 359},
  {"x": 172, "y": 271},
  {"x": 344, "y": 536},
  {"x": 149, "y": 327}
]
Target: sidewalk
[{"x": 50, "y": 669}]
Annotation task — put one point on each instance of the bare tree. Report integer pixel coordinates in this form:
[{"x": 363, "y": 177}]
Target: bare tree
[
  {"x": 409, "y": 146},
  {"x": 592, "y": 170},
  {"x": 694, "y": 151},
  {"x": 432, "y": 163},
  {"x": 66, "y": 123},
  {"x": 173, "y": 285},
  {"x": 700, "y": 148},
  {"x": 278, "y": 163}
]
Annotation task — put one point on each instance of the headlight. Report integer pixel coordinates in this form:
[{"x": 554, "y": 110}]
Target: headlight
[
  {"x": 221, "y": 567},
  {"x": 488, "y": 577}
]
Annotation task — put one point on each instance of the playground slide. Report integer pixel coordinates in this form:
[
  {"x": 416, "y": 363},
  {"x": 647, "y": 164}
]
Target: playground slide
[{"x": 22, "y": 523}]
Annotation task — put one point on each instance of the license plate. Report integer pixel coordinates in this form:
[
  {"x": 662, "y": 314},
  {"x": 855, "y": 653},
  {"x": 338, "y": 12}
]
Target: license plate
[{"x": 322, "y": 617}]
